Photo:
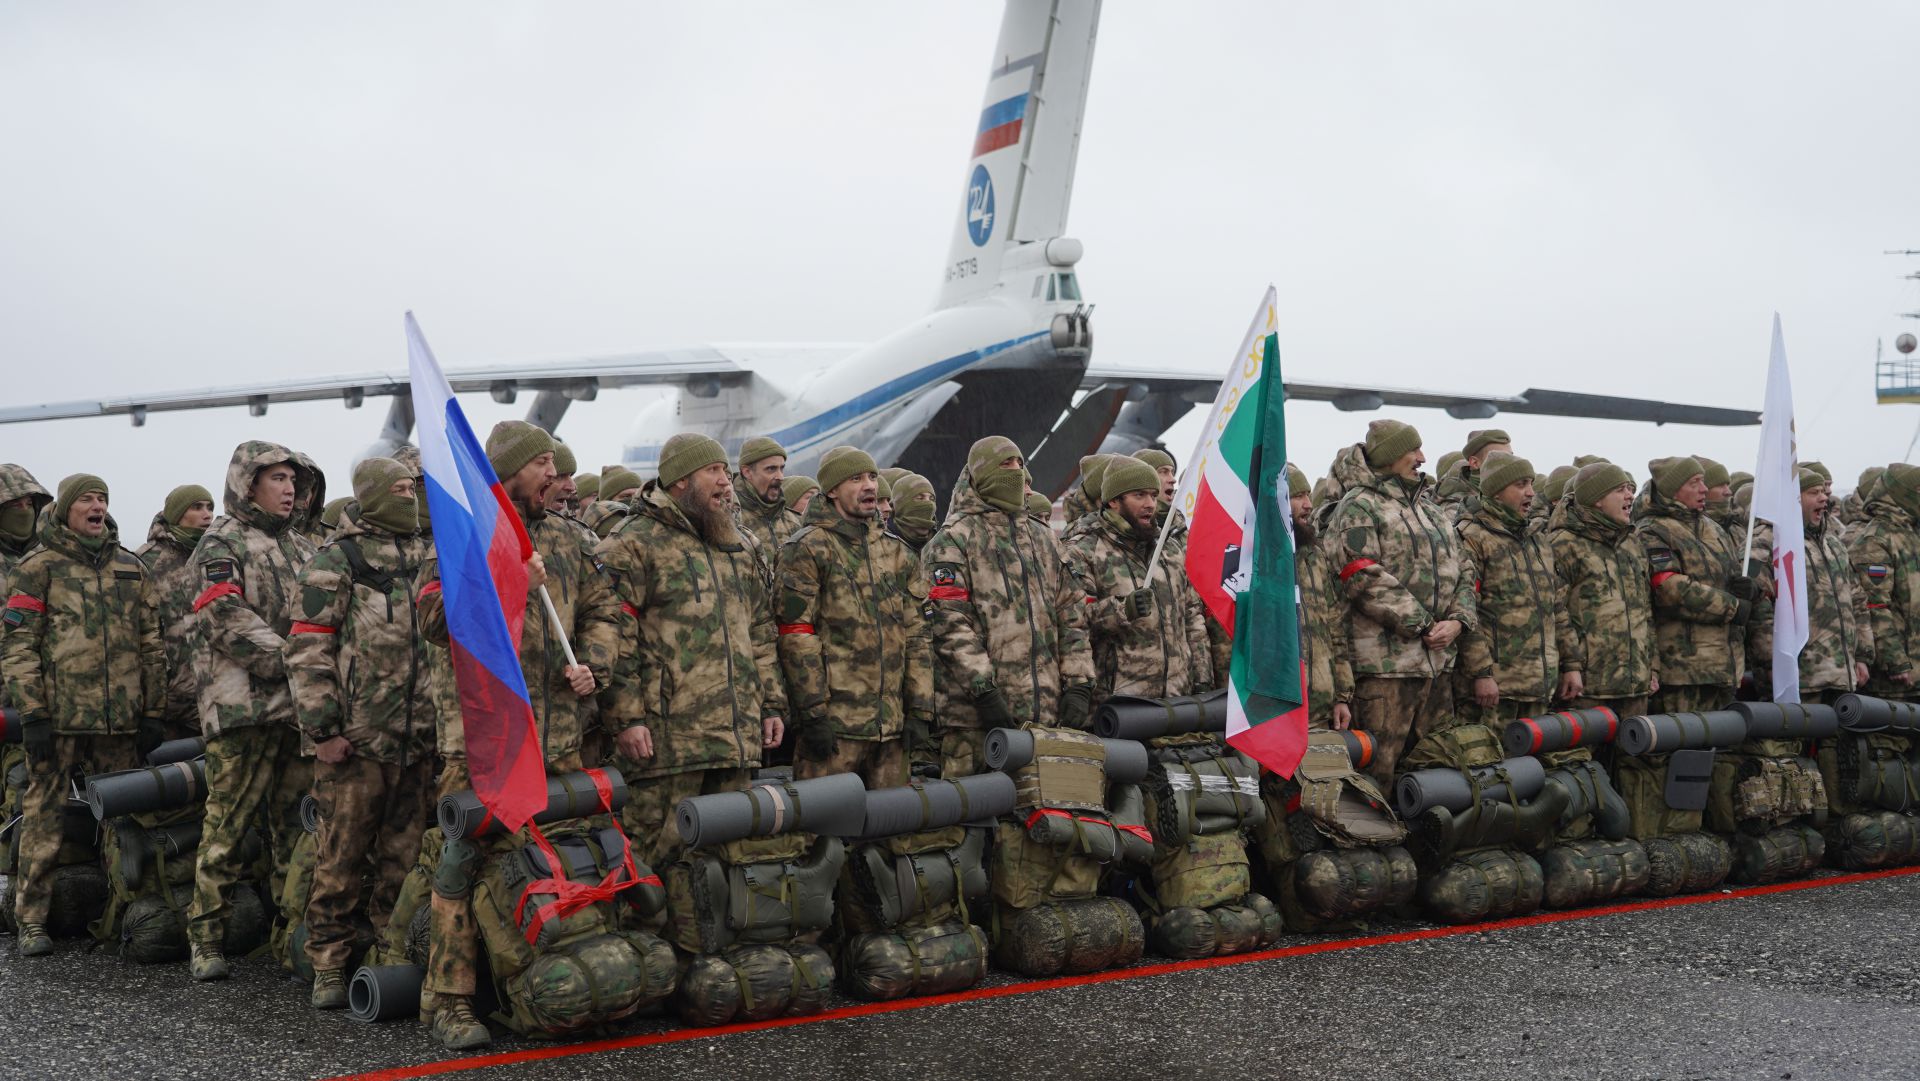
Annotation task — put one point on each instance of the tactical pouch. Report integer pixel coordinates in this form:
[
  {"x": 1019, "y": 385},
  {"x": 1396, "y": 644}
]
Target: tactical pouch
[
  {"x": 1642, "y": 781},
  {"x": 1336, "y": 884},
  {"x": 915, "y": 881},
  {"x": 1196, "y": 786},
  {"x": 758, "y": 890},
  {"x": 932, "y": 960},
  {"x": 1071, "y": 937},
  {"x": 1491, "y": 884},
  {"x": 755, "y": 983},
  {"x": 1252, "y": 923},
  {"x": 1859, "y": 842},
  {"x": 1582, "y": 872},
  {"x": 1777, "y": 855},
  {"x": 1685, "y": 863},
  {"x": 1068, "y": 773},
  {"x": 1754, "y": 794}
]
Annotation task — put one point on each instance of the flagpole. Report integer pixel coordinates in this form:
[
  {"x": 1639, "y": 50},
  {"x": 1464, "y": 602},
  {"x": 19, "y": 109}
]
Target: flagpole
[{"x": 553, "y": 617}]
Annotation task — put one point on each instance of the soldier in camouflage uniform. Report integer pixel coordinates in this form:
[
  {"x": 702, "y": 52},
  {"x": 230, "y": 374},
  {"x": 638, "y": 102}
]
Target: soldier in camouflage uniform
[
  {"x": 1885, "y": 553},
  {"x": 1009, "y": 624},
  {"x": 761, "y": 506},
  {"x": 618, "y": 486},
  {"x": 1040, "y": 509},
  {"x": 1701, "y": 603},
  {"x": 1606, "y": 642},
  {"x": 1839, "y": 627},
  {"x": 1147, "y": 625},
  {"x": 914, "y": 512},
  {"x": 1720, "y": 506},
  {"x": 586, "y": 488},
  {"x": 361, "y": 693},
  {"x": 310, "y": 500},
  {"x": 247, "y": 563},
  {"x": 1509, "y": 664},
  {"x": 1323, "y": 618},
  {"x": 84, "y": 665},
  {"x": 1348, "y": 471},
  {"x": 562, "y": 498},
  {"x": 330, "y": 516},
  {"x": 21, "y": 498},
  {"x": 852, "y": 614},
  {"x": 175, "y": 581},
  {"x": 1852, "y": 511},
  {"x": 1083, "y": 498},
  {"x": 698, "y": 693},
  {"x": 1459, "y": 489},
  {"x": 799, "y": 493},
  {"x": 1409, "y": 596}
]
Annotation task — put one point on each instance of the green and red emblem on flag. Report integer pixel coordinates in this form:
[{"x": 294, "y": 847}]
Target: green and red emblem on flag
[{"x": 1240, "y": 549}]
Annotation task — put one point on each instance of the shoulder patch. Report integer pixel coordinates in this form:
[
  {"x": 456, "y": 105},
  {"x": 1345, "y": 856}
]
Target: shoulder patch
[
  {"x": 128, "y": 576},
  {"x": 219, "y": 570},
  {"x": 1875, "y": 571},
  {"x": 1661, "y": 558}
]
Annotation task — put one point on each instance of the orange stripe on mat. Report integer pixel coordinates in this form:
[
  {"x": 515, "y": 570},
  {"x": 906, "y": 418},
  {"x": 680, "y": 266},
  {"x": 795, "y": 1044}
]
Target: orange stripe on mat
[{"x": 871, "y": 1009}]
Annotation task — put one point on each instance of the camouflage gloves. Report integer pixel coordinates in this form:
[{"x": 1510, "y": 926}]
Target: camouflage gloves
[
  {"x": 991, "y": 705},
  {"x": 1140, "y": 603},
  {"x": 1076, "y": 706},
  {"x": 36, "y": 732}
]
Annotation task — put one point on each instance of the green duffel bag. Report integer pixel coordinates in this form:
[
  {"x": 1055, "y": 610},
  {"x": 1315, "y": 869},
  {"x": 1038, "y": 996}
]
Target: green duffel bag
[
  {"x": 587, "y": 983},
  {"x": 917, "y": 880},
  {"x": 152, "y": 931},
  {"x": 1203, "y": 872},
  {"x": 1251, "y": 923},
  {"x": 1686, "y": 863},
  {"x": 912, "y": 961},
  {"x": 1341, "y": 883},
  {"x": 1491, "y": 884},
  {"x": 1071, "y": 938},
  {"x": 1583, "y": 872},
  {"x": 755, "y": 983},
  {"x": 1860, "y": 842},
  {"x": 1777, "y": 855}
]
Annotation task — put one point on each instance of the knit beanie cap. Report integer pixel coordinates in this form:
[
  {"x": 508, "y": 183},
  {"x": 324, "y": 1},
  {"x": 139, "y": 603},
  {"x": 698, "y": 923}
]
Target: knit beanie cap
[
  {"x": 842, "y": 463},
  {"x": 1389, "y": 440},
  {"x": 1127, "y": 475},
  {"x": 514, "y": 443},
  {"x": 687, "y": 453},
  {"x": 1481, "y": 440},
  {"x": 1593, "y": 482},
  {"x": 1501, "y": 471},
  {"x": 183, "y": 497},
  {"x": 758, "y": 448},
  {"x": 1671, "y": 474}
]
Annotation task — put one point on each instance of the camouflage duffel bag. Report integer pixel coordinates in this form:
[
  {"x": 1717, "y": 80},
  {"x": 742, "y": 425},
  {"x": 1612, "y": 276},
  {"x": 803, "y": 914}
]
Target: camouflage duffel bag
[
  {"x": 1197, "y": 786},
  {"x": 755, "y": 890},
  {"x": 1251, "y": 923},
  {"x": 1777, "y": 855},
  {"x": 150, "y": 855},
  {"x": 1491, "y": 884},
  {"x": 1335, "y": 884},
  {"x": 914, "y": 961},
  {"x": 1858, "y": 842},
  {"x": 1755, "y": 794},
  {"x": 755, "y": 983},
  {"x": 1685, "y": 863},
  {"x": 1869, "y": 771},
  {"x": 1071, "y": 937},
  {"x": 1202, "y": 872},
  {"x": 1582, "y": 872},
  {"x": 584, "y": 983},
  {"x": 915, "y": 880}
]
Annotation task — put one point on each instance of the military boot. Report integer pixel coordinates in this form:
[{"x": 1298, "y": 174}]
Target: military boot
[
  {"x": 208, "y": 963},
  {"x": 329, "y": 989},
  {"x": 455, "y": 1026},
  {"x": 34, "y": 940}
]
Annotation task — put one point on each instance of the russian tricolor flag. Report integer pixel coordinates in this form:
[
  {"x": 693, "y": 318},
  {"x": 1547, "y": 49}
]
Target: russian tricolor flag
[
  {"x": 1000, "y": 125},
  {"x": 483, "y": 550}
]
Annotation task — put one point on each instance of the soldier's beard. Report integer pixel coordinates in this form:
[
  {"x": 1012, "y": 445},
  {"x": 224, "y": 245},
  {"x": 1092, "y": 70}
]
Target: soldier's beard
[{"x": 713, "y": 522}]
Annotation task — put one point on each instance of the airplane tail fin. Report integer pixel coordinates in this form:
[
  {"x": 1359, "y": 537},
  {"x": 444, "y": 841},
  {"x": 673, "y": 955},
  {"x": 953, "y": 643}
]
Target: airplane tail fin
[{"x": 1020, "y": 172}]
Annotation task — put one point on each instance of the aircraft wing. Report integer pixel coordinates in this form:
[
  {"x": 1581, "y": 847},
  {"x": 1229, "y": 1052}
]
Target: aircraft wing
[
  {"x": 703, "y": 368},
  {"x": 1195, "y": 389}
]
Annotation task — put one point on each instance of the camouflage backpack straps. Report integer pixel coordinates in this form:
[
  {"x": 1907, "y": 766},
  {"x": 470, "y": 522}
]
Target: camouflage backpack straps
[
  {"x": 1462, "y": 747},
  {"x": 364, "y": 573}
]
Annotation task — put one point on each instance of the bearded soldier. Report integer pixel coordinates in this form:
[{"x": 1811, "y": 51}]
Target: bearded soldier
[
  {"x": 1409, "y": 596},
  {"x": 175, "y": 581},
  {"x": 1009, "y": 624},
  {"x": 1509, "y": 664},
  {"x": 756, "y": 491},
  {"x": 1701, "y": 603},
  {"x": 698, "y": 692},
  {"x": 362, "y": 695},
  {"x": 248, "y": 561},
  {"x": 1147, "y": 625},
  {"x": 1606, "y": 643},
  {"x": 852, "y": 633},
  {"x": 84, "y": 666},
  {"x": 1839, "y": 643}
]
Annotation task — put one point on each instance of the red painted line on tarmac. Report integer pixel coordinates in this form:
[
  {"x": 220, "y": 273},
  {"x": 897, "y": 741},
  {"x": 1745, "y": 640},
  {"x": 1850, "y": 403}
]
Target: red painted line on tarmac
[{"x": 1308, "y": 949}]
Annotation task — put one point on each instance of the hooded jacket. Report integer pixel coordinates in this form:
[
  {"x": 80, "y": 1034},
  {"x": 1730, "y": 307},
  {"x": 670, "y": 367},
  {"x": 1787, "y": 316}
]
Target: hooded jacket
[
  {"x": 82, "y": 645},
  {"x": 1403, "y": 571},
  {"x": 695, "y": 641},
  {"x": 1689, "y": 562},
  {"x": 1607, "y": 601},
  {"x": 1161, "y": 655},
  {"x": 1885, "y": 553},
  {"x": 247, "y": 562}
]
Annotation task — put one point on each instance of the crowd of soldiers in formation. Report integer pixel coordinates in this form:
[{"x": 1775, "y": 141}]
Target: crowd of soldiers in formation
[{"x": 725, "y": 616}]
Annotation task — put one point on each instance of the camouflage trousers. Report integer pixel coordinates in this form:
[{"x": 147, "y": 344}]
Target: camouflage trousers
[
  {"x": 11, "y": 755},
  {"x": 370, "y": 813},
  {"x": 881, "y": 763},
  {"x": 648, "y": 815},
  {"x": 1396, "y": 713},
  {"x": 255, "y": 778},
  {"x": 1691, "y": 698},
  {"x": 963, "y": 752},
  {"x": 43, "y": 812}
]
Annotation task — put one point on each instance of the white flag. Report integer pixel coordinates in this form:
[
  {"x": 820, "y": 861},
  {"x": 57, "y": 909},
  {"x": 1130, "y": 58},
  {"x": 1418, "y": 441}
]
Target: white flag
[{"x": 1776, "y": 498}]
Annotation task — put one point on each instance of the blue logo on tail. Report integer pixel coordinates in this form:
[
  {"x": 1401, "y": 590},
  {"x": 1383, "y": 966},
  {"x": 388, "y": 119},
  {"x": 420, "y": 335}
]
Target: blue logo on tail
[{"x": 980, "y": 206}]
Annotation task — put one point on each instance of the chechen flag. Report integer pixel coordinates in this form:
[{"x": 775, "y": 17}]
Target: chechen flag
[
  {"x": 1240, "y": 549},
  {"x": 483, "y": 550}
]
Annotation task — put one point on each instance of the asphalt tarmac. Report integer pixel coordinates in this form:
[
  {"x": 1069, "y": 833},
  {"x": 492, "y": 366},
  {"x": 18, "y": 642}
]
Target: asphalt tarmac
[{"x": 1806, "y": 983}]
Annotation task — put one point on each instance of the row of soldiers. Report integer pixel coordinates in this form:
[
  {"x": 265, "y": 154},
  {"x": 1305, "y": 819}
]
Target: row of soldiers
[{"x": 720, "y": 613}]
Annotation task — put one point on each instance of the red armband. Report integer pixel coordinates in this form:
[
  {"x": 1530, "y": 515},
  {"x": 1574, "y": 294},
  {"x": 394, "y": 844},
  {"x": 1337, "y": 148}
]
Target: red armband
[{"x": 1356, "y": 567}]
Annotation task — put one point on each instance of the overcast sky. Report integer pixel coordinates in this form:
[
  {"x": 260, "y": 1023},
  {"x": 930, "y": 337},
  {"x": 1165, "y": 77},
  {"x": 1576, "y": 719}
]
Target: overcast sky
[{"x": 1482, "y": 196}]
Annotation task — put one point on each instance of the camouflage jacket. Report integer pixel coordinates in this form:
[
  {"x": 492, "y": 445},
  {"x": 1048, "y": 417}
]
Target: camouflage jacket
[
  {"x": 1458, "y": 493},
  {"x": 1885, "y": 553},
  {"x": 1348, "y": 471},
  {"x": 82, "y": 646},
  {"x": 15, "y": 483},
  {"x": 355, "y": 657},
  {"x": 695, "y": 642},
  {"x": 770, "y": 523},
  {"x": 1404, "y": 571},
  {"x": 1075, "y": 505},
  {"x": 1839, "y": 631},
  {"x": 1162, "y": 655},
  {"x": 1007, "y": 613},
  {"x": 1518, "y": 622},
  {"x": 247, "y": 563},
  {"x": 603, "y": 517},
  {"x": 1323, "y": 629},
  {"x": 584, "y": 602},
  {"x": 1607, "y": 602},
  {"x": 1689, "y": 560},
  {"x": 175, "y": 582},
  {"x": 852, "y": 611}
]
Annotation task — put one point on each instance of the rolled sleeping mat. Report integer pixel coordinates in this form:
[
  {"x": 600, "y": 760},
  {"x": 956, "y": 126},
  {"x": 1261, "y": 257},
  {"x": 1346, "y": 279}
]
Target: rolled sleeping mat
[
  {"x": 1560, "y": 731},
  {"x": 1359, "y": 747},
  {"x": 1865, "y": 713},
  {"x": 177, "y": 750},
  {"x": 1010, "y": 749},
  {"x": 385, "y": 992},
  {"x": 1788, "y": 720},
  {"x": 1450, "y": 788},
  {"x": 1664, "y": 732},
  {"x": 137, "y": 791},
  {"x": 832, "y": 806},
  {"x": 936, "y": 804},
  {"x": 570, "y": 795},
  {"x": 310, "y": 817},
  {"x": 1127, "y": 717}
]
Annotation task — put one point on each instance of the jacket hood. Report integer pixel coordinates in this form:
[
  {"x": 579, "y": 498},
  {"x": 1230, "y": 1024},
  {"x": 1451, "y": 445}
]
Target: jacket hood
[
  {"x": 1590, "y": 523},
  {"x": 250, "y": 458},
  {"x": 309, "y": 490},
  {"x": 1651, "y": 503},
  {"x": 1348, "y": 471},
  {"x": 16, "y": 482}
]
